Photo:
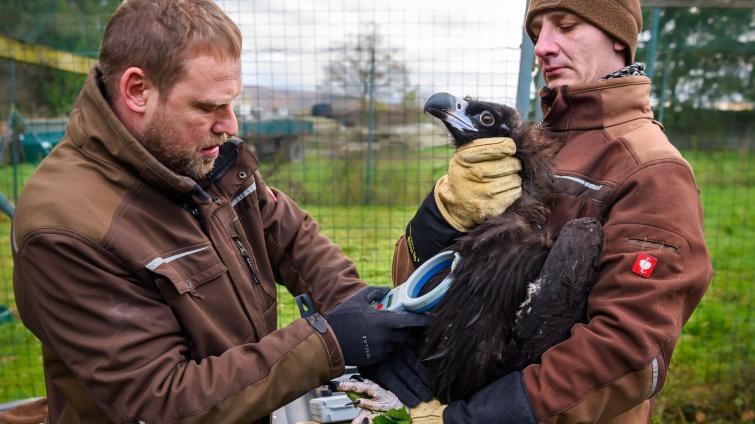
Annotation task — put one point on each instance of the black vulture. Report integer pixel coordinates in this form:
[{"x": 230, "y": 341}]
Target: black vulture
[{"x": 506, "y": 305}]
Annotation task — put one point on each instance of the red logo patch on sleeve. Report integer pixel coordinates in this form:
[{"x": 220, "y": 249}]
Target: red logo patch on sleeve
[{"x": 644, "y": 265}]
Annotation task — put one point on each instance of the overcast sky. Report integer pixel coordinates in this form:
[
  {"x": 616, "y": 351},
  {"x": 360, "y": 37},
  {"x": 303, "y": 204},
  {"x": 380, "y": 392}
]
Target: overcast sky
[{"x": 463, "y": 47}]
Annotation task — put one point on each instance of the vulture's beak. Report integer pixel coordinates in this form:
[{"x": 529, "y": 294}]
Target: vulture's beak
[{"x": 451, "y": 110}]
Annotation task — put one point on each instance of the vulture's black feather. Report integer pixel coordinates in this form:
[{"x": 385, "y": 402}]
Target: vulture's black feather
[{"x": 498, "y": 315}]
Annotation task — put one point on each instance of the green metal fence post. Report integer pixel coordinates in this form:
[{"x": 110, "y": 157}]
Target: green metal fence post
[
  {"x": 655, "y": 23},
  {"x": 370, "y": 122},
  {"x": 15, "y": 137},
  {"x": 526, "y": 57}
]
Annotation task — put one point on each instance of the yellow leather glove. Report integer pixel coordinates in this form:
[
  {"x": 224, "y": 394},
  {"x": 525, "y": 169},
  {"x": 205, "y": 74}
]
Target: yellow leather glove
[
  {"x": 482, "y": 181},
  {"x": 428, "y": 413}
]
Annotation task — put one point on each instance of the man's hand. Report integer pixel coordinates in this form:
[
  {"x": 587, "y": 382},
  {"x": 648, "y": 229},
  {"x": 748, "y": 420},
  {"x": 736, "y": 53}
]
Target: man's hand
[
  {"x": 482, "y": 181},
  {"x": 503, "y": 401},
  {"x": 403, "y": 373},
  {"x": 366, "y": 335},
  {"x": 428, "y": 413}
]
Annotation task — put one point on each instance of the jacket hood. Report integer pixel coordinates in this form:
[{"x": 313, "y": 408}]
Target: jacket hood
[{"x": 596, "y": 105}]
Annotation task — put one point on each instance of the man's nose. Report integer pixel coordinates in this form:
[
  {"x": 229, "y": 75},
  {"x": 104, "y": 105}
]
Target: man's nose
[
  {"x": 226, "y": 122},
  {"x": 546, "y": 45}
]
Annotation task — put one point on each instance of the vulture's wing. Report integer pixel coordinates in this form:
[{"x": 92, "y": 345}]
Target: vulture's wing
[{"x": 557, "y": 300}]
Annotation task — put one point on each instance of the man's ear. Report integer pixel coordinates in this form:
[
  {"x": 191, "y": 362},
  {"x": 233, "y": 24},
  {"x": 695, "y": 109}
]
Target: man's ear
[
  {"x": 619, "y": 47},
  {"x": 134, "y": 90},
  {"x": 621, "y": 50}
]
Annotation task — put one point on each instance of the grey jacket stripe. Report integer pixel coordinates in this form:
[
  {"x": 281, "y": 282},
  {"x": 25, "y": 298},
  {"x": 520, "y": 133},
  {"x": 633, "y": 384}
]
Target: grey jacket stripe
[
  {"x": 579, "y": 181},
  {"x": 654, "y": 385},
  {"x": 249, "y": 190},
  {"x": 154, "y": 263}
]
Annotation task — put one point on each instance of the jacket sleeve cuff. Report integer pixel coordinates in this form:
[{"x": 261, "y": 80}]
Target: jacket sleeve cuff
[
  {"x": 502, "y": 401},
  {"x": 329, "y": 341},
  {"x": 428, "y": 233}
]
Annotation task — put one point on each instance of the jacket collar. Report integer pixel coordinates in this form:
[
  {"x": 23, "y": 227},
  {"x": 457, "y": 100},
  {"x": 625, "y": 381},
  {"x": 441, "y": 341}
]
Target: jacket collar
[
  {"x": 596, "y": 105},
  {"x": 97, "y": 131}
]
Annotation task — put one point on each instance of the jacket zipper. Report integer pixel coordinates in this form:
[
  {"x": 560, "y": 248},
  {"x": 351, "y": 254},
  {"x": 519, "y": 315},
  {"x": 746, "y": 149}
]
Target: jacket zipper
[{"x": 247, "y": 259}]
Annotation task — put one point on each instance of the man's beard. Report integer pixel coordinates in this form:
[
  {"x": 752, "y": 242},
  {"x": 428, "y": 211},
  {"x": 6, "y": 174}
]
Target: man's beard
[{"x": 160, "y": 140}]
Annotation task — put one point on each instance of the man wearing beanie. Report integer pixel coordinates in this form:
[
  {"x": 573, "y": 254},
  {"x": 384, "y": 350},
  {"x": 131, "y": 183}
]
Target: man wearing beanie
[{"x": 614, "y": 163}]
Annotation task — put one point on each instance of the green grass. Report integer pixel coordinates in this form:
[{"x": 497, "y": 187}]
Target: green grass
[
  {"x": 396, "y": 176},
  {"x": 20, "y": 352},
  {"x": 713, "y": 370}
]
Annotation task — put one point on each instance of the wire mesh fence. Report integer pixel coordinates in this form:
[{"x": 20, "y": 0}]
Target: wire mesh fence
[{"x": 332, "y": 103}]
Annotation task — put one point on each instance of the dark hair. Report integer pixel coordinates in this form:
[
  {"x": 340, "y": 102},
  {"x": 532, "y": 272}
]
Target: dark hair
[{"x": 158, "y": 36}]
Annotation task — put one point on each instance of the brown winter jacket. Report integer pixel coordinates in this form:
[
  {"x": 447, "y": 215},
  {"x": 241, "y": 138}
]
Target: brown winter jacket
[
  {"x": 616, "y": 164},
  {"x": 155, "y": 298}
]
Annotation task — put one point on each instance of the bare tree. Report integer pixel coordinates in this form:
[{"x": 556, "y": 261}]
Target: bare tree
[{"x": 367, "y": 64}]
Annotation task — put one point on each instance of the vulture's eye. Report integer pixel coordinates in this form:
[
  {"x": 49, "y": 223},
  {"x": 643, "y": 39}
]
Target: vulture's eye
[{"x": 487, "y": 119}]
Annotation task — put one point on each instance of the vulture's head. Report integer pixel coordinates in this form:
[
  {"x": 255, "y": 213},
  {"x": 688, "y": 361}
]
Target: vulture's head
[{"x": 468, "y": 119}]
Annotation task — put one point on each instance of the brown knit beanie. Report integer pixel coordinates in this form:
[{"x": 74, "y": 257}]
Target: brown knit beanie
[{"x": 621, "y": 19}]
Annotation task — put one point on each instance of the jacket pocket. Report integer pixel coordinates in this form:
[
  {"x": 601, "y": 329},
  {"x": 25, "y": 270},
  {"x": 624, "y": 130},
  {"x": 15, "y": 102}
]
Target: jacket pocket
[
  {"x": 246, "y": 254},
  {"x": 186, "y": 270},
  {"x": 195, "y": 283},
  {"x": 653, "y": 244}
]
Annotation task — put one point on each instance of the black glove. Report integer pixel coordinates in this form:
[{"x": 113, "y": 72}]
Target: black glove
[
  {"x": 402, "y": 373},
  {"x": 367, "y": 335},
  {"x": 428, "y": 232},
  {"x": 504, "y": 401}
]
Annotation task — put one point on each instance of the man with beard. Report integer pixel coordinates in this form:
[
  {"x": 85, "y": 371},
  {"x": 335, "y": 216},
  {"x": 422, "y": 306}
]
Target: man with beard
[{"x": 147, "y": 246}]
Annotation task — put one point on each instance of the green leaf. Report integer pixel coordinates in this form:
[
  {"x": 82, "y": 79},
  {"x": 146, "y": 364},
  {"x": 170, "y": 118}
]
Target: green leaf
[
  {"x": 382, "y": 419},
  {"x": 356, "y": 395},
  {"x": 399, "y": 414},
  {"x": 394, "y": 416}
]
